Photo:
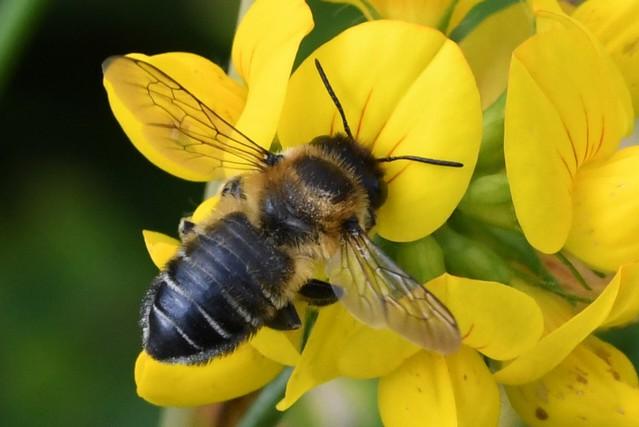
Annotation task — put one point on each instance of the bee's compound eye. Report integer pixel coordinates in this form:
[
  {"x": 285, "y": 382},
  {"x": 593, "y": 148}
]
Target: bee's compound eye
[{"x": 377, "y": 190}]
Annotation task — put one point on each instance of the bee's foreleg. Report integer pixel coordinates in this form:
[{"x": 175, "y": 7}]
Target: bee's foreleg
[
  {"x": 285, "y": 319},
  {"x": 186, "y": 227},
  {"x": 319, "y": 293}
]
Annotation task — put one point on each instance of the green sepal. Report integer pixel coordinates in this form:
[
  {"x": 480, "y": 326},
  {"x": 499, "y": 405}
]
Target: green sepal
[
  {"x": 508, "y": 243},
  {"x": 491, "y": 151},
  {"x": 423, "y": 259},
  {"x": 478, "y": 14},
  {"x": 470, "y": 258}
]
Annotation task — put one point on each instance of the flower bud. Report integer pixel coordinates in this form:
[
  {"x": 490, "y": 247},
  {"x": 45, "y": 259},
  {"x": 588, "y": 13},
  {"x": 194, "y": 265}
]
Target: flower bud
[
  {"x": 491, "y": 151},
  {"x": 469, "y": 258},
  {"x": 423, "y": 259}
]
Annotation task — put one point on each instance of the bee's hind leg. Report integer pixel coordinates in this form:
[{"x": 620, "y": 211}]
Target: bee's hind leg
[
  {"x": 319, "y": 293},
  {"x": 286, "y": 319}
]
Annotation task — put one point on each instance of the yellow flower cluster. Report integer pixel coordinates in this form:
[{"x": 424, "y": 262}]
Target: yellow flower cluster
[{"x": 550, "y": 175}]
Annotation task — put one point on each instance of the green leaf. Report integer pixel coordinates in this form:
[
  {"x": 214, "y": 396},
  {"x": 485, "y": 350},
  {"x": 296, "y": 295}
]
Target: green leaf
[{"x": 477, "y": 15}]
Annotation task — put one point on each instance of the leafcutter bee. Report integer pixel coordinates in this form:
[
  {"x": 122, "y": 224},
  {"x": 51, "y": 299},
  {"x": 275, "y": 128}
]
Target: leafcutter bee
[{"x": 242, "y": 269}]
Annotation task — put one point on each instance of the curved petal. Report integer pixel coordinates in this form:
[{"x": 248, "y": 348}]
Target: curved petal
[
  {"x": 565, "y": 108},
  {"x": 202, "y": 78},
  {"x": 264, "y": 49},
  {"x": 161, "y": 247},
  {"x": 616, "y": 25},
  {"x": 424, "y": 104},
  {"x": 279, "y": 346},
  {"x": 596, "y": 385},
  {"x": 626, "y": 307},
  {"x": 489, "y": 47},
  {"x": 497, "y": 320},
  {"x": 446, "y": 391},
  {"x": 244, "y": 371},
  {"x": 340, "y": 345},
  {"x": 205, "y": 209},
  {"x": 606, "y": 212},
  {"x": 556, "y": 345}
]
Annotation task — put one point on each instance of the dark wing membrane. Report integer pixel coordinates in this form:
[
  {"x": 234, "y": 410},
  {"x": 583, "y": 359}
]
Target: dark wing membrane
[
  {"x": 176, "y": 122},
  {"x": 380, "y": 294}
]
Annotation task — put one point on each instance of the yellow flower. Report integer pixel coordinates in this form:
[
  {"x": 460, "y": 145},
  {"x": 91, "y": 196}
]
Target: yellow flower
[
  {"x": 616, "y": 26},
  {"x": 424, "y": 103},
  {"x": 415, "y": 385},
  {"x": 571, "y": 377},
  {"x": 418, "y": 99},
  {"x": 487, "y": 31},
  {"x": 572, "y": 184},
  {"x": 406, "y": 90},
  {"x": 574, "y": 188},
  {"x": 263, "y": 53}
]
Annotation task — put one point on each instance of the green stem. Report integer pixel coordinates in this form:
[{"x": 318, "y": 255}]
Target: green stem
[
  {"x": 17, "y": 21},
  {"x": 262, "y": 412},
  {"x": 576, "y": 274},
  {"x": 550, "y": 286}
]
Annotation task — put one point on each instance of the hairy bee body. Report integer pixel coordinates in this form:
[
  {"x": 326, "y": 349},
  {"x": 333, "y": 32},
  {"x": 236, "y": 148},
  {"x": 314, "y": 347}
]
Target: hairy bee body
[{"x": 241, "y": 269}]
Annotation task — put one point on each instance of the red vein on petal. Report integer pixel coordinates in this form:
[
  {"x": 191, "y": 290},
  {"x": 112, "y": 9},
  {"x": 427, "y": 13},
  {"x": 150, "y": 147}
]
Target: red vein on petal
[
  {"x": 467, "y": 334},
  {"x": 557, "y": 110},
  {"x": 363, "y": 112},
  {"x": 397, "y": 174},
  {"x": 394, "y": 147},
  {"x": 603, "y": 132},
  {"x": 587, "y": 148},
  {"x": 565, "y": 164}
]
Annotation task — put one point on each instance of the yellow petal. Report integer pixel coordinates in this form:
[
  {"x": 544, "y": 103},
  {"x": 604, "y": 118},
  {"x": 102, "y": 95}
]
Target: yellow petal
[
  {"x": 424, "y": 12},
  {"x": 606, "y": 212},
  {"x": 556, "y": 345},
  {"x": 548, "y": 5},
  {"x": 131, "y": 107},
  {"x": 161, "y": 247},
  {"x": 205, "y": 209},
  {"x": 264, "y": 49},
  {"x": 243, "y": 371},
  {"x": 423, "y": 104},
  {"x": 495, "y": 319},
  {"x": 277, "y": 345},
  {"x": 616, "y": 24},
  {"x": 489, "y": 48},
  {"x": 456, "y": 391},
  {"x": 340, "y": 345},
  {"x": 595, "y": 386},
  {"x": 626, "y": 307},
  {"x": 565, "y": 108}
]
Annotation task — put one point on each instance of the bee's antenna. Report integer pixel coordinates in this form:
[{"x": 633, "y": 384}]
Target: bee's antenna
[
  {"x": 423, "y": 160},
  {"x": 328, "y": 87}
]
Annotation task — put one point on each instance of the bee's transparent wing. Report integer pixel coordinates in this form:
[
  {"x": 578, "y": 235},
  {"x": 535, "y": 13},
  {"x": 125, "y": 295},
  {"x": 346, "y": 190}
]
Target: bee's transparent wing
[
  {"x": 377, "y": 292},
  {"x": 174, "y": 119}
]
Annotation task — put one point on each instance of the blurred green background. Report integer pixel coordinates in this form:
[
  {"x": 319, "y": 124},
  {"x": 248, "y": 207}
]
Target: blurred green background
[{"x": 76, "y": 195}]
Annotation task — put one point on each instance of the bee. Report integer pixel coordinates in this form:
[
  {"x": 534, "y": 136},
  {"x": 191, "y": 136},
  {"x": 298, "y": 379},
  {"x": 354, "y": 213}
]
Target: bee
[{"x": 241, "y": 269}]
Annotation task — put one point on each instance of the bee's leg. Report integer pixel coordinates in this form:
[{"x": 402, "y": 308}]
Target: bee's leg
[
  {"x": 186, "y": 227},
  {"x": 319, "y": 293},
  {"x": 285, "y": 319},
  {"x": 233, "y": 188}
]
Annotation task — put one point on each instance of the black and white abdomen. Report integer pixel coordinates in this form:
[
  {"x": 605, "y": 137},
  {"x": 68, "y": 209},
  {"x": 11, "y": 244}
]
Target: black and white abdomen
[{"x": 224, "y": 284}]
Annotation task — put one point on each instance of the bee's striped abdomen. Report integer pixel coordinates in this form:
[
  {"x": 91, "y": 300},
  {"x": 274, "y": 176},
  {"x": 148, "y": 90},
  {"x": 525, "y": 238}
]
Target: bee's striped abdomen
[{"x": 219, "y": 290}]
